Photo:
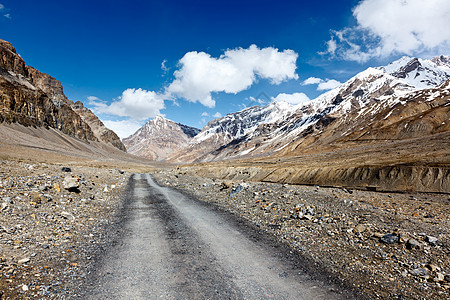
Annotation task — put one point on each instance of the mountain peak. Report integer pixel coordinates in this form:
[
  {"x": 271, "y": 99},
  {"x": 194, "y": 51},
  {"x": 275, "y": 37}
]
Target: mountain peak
[{"x": 159, "y": 137}]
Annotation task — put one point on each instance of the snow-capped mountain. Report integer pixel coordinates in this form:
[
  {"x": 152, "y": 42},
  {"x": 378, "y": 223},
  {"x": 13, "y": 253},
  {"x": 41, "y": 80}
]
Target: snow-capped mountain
[
  {"x": 272, "y": 129},
  {"x": 158, "y": 138}
]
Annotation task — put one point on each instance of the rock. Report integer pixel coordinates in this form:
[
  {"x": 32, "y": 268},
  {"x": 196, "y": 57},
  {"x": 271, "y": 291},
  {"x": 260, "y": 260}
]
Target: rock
[
  {"x": 432, "y": 267},
  {"x": 66, "y": 169},
  {"x": 378, "y": 235},
  {"x": 36, "y": 197},
  {"x": 413, "y": 244},
  {"x": 419, "y": 272},
  {"x": 57, "y": 187},
  {"x": 447, "y": 278},
  {"x": 25, "y": 288},
  {"x": 360, "y": 228},
  {"x": 308, "y": 217},
  {"x": 236, "y": 190},
  {"x": 225, "y": 185},
  {"x": 23, "y": 260},
  {"x": 439, "y": 277},
  {"x": 431, "y": 240},
  {"x": 120, "y": 171},
  {"x": 67, "y": 215},
  {"x": 389, "y": 238},
  {"x": 8, "y": 200},
  {"x": 71, "y": 184}
]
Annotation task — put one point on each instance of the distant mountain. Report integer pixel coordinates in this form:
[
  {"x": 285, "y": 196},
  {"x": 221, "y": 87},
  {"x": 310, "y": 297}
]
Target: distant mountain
[
  {"x": 158, "y": 138},
  {"x": 32, "y": 98},
  {"x": 371, "y": 96}
]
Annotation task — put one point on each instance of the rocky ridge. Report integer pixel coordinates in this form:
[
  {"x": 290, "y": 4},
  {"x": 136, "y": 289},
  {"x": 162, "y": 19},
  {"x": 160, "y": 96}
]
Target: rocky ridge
[
  {"x": 32, "y": 98},
  {"x": 158, "y": 138}
]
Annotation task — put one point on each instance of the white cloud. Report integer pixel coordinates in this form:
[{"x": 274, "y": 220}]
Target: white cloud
[
  {"x": 295, "y": 98},
  {"x": 217, "y": 115},
  {"x": 205, "y": 114},
  {"x": 386, "y": 27},
  {"x": 135, "y": 103},
  {"x": 164, "y": 67},
  {"x": 2, "y": 6},
  {"x": 312, "y": 80},
  {"x": 322, "y": 85},
  {"x": 329, "y": 84},
  {"x": 236, "y": 70},
  {"x": 124, "y": 128}
]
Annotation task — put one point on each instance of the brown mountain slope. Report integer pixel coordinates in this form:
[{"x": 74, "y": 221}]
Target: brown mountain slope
[
  {"x": 158, "y": 138},
  {"x": 33, "y": 98},
  {"x": 405, "y": 147}
]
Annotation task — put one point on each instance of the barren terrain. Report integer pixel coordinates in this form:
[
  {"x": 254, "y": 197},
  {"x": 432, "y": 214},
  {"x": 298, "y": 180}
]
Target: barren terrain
[{"x": 385, "y": 245}]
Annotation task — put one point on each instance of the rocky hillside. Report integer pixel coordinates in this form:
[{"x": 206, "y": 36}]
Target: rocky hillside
[
  {"x": 369, "y": 97},
  {"x": 32, "y": 98},
  {"x": 158, "y": 138}
]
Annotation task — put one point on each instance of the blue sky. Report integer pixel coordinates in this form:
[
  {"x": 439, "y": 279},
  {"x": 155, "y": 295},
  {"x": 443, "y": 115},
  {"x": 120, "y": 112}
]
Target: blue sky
[{"x": 193, "y": 60}]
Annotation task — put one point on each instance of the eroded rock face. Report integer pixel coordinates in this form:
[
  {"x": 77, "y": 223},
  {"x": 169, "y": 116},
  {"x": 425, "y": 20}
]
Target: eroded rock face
[
  {"x": 32, "y": 98},
  {"x": 49, "y": 85},
  {"x": 28, "y": 107},
  {"x": 100, "y": 130},
  {"x": 10, "y": 60}
]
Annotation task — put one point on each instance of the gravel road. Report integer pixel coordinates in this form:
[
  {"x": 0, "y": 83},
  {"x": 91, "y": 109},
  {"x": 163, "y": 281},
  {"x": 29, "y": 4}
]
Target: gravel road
[{"x": 172, "y": 246}]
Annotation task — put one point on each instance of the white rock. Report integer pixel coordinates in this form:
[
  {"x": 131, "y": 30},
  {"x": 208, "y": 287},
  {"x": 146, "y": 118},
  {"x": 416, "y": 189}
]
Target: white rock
[{"x": 23, "y": 260}]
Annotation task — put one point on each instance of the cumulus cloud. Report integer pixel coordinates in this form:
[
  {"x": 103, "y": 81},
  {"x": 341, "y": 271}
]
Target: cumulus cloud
[
  {"x": 199, "y": 75},
  {"x": 386, "y": 27},
  {"x": 205, "y": 114},
  {"x": 217, "y": 115},
  {"x": 312, "y": 80},
  {"x": 124, "y": 128},
  {"x": 135, "y": 103},
  {"x": 322, "y": 85},
  {"x": 294, "y": 99},
  {"x": 329, "y": 84}
]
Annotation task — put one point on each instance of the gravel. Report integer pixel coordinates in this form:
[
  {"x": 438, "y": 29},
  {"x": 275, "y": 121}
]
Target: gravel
[
  {"x": 376, "y": 243},
  {"x": 51, "y": 223}
]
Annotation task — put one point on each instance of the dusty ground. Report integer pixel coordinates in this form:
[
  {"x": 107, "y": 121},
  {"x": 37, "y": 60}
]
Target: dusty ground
[
  {"x": 387, "y": 245},
  {"x": 48, "y": 233}
]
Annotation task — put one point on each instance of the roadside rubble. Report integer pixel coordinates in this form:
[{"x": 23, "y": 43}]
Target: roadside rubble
[
  {"x": 52, "y": 219},
  {"x": 386, "y": 245}
]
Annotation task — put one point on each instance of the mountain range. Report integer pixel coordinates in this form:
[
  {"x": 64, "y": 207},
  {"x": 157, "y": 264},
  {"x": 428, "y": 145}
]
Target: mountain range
[
  {"x": 390, "y": 102},
  {"x": 386, "y": 128}
]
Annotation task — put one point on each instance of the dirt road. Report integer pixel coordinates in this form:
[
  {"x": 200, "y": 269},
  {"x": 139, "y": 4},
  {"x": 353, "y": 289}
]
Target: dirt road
[{"x": 174, "y": 247}]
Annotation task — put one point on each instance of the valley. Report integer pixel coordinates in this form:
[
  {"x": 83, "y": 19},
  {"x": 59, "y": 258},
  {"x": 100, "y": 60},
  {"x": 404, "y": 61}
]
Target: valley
[{"x": 343, "y": 196}]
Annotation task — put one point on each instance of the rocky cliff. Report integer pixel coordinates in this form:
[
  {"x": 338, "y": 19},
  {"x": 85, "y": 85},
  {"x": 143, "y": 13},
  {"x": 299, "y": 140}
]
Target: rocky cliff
[{"x": 32, "y": 98}]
